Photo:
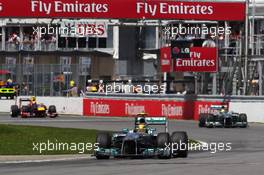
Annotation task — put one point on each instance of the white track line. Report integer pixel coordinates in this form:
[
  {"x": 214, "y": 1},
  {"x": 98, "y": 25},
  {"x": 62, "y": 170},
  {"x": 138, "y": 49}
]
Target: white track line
[{"x": 44, "y": 160}]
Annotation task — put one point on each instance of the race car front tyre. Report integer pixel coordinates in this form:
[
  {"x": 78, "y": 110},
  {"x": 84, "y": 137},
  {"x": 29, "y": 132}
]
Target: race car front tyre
[
  {"x": 14, "y": 111},
  {"x": 104, "y": 141},
  {"x": 163, "y": 142},
  {"x": 210, "y": 119},
  {"x": 202, "y": 120},
  {"x": 100, "y": 157},
  {"x": 179, "y": 144}
]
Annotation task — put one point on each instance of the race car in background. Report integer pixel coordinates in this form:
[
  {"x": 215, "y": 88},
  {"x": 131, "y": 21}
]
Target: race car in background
[
  {"x": 8, "y": 87},
  {"x": 221, "y": 117},
  {"x": 26, "y": 110},
  {"x": 142, "y": 141},
  {"x": 8, "y": 92}
]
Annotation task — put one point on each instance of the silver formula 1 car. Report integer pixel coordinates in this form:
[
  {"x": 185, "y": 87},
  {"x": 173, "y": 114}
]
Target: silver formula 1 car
[
  {"x": 142, "y": 141},
  {"x": 221, "y": 117}
]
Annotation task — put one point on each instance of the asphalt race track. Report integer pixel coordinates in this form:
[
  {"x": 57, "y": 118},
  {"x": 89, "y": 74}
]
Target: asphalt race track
[{"x": 246, "y": 156}]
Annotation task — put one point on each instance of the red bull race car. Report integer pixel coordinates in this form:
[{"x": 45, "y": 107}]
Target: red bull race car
[{"x": 26, "y": 109}]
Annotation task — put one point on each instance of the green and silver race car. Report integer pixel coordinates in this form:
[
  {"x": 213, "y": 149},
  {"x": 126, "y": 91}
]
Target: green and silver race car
[{"x": 142, "y": 141}]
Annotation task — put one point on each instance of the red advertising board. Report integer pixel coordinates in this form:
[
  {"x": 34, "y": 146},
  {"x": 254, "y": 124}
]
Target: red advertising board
[
  {"x": 165, "y": 59},
  {"x": 202, "y": 59},
  {"x": 126, "y": 108},
  {"x": 186, "y": 110},
  {"x": 123, "y": 9}
]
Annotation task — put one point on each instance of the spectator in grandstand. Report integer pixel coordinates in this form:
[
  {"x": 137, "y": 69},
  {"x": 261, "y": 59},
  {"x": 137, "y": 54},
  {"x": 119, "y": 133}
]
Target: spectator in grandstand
[
  {"x": 27, "y": 42},
  {"x": 72, "y": 83},
  {"x": 53, "y": 39},
  {"x": 180, "y": 37},
  {"x": 209, "y": 42},
  {"x": 9, "y": 83},
  {"x": 16, "y": 40},
  {"x": 24, "y": 88},
  {"x": 73, "y": 91},
  {"x": 2, "y": 83}
]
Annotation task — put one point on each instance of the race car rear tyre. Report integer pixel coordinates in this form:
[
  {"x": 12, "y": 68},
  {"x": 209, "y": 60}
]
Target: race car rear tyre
[
  {"x": 163, "y": 141},
  {"x": 179, "y": 141},
  {"x": 243, "y": 118},
  {"x": 202, "y": 120},
  {"x": 52, "y": 109},
  {"x": 14, "y": 111}
]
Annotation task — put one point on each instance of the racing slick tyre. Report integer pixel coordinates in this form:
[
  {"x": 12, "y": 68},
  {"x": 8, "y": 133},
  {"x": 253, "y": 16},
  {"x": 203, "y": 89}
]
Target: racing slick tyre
[
  {"x": 163, "y": 141},
  {"x": 210, "y": 118},
  {"x": 179, "y": 144},
  {"x": 52, "y": 110},
  {"x": 202, "y": 120},
  {"x": 104, "y": 141},
  {"x": 14, "y": 111},
  {"x": 243, "y": 118},
  {"x": 221, "y": 120}
]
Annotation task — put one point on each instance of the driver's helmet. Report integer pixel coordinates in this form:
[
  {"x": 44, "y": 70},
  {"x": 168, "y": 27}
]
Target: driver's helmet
[
  {"x": 223, "y": 109},
  {"x": 33, "y": 99},
  {"x": 141, "y": 125}
]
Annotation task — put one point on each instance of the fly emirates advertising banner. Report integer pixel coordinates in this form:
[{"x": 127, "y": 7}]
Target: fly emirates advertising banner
[{"x": 123, "y": 9}]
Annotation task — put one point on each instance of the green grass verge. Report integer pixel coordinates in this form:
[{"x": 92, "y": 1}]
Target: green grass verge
[{"x": 18, "y": 140}]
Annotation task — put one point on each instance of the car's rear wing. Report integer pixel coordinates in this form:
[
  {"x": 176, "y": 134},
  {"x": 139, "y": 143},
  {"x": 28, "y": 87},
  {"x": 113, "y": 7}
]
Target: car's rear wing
[
  {"x": 154, "y": 121},
  {"x": 24, "y": 99}
]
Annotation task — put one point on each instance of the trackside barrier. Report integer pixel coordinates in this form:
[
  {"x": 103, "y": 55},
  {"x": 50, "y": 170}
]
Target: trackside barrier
[
  {"x": 5, "y": 105},
  {"x": 185, "y": 108},
  {"x": 64, "y": 105},
  {"x": 254, "y": 110},
  {"x": 172, "y": 106}
]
